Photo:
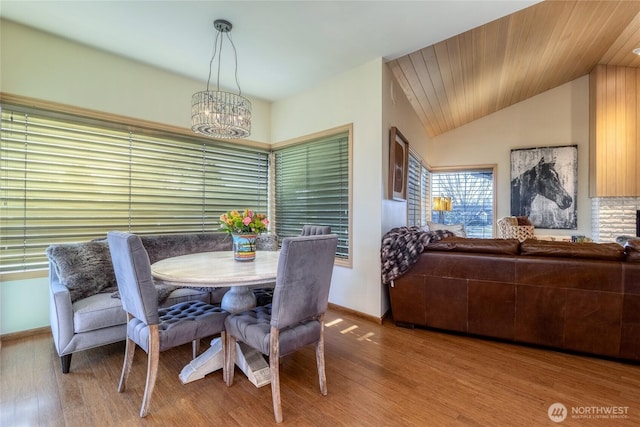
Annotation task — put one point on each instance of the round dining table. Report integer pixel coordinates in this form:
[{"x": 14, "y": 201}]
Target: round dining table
[{"x": 216, "y": 270}]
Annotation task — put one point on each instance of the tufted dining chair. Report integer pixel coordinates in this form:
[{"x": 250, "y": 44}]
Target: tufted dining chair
[
  {"x": 153, "y": 329},
  {"x": 296, "y": 317},
  {"x": 315, "y": 230},
  {"x": 264, "y": 294}
]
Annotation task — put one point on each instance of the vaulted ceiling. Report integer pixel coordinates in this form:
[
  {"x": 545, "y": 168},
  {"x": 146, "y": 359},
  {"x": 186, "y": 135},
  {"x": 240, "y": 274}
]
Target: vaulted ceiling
[{"x": 483, "y": 70}]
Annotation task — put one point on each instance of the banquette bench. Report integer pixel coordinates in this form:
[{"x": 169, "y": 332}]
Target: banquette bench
[{"x": 85, "y": 311}]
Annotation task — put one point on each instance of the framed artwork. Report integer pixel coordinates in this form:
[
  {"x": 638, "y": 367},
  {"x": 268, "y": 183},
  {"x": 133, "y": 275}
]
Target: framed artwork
[
  {"x": 544, "y": 185},
  {"x": 398, "y": 165}
]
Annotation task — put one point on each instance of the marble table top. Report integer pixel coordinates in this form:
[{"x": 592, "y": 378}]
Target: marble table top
[{"x": 216, "y": 269}]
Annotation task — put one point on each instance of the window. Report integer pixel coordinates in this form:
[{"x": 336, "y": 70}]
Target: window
[
  {"x": 68, "y": 179},
  {"x": 312, "y": 187},
  {"x": 472, "y": 199},
  {"x": 417, "y": 190}
]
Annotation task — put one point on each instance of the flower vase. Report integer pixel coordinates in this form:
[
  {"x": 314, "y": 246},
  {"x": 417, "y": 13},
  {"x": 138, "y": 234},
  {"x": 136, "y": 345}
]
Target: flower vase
[{"x": 244, "y": 247}]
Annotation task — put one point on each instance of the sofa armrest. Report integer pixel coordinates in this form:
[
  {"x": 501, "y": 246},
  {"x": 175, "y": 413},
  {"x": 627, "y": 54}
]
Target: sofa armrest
[{"x": 60, "y": 312}]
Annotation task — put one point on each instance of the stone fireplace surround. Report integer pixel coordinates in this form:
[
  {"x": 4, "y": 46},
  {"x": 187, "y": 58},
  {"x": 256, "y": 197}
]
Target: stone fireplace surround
[{"x": 614, "y": 216}]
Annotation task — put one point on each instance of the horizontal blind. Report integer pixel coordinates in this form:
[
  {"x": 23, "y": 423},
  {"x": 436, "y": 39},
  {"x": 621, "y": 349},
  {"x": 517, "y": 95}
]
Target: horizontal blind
[
  {"x": 414, "y": 192},
  {"x": 426, "y": 204},
  {"x": 65, "y": 180},
  {"x": 312, "y": 187}
]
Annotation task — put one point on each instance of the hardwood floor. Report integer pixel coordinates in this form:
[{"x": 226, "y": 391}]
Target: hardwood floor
[{"x": 377, "y": 375}]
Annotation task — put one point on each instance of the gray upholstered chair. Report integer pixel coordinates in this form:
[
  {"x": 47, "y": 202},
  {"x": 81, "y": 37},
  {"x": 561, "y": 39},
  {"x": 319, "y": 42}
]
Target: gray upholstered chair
[
  {"x": 264, "y": 294},
  {"x": 153, "y": 329},
  {"x": 296, "y": 317},
  {"x": 315, "y": 230}
]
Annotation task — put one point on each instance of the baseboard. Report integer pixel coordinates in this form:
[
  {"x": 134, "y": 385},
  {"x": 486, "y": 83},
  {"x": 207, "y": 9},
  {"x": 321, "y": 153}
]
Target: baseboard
[
  {"x": 360, "y": 314},
  {"x": 24, "y": 334},
  {"x": 47, "y": 329}
]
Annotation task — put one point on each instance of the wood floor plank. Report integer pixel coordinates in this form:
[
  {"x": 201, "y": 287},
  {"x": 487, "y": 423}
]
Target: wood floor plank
[{"x": 377, "y": 375}]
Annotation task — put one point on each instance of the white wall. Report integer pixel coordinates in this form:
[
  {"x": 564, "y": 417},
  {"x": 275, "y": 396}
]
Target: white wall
[
  {"x": 353, "y": 97},
  {"x": 558, "y": 116}
]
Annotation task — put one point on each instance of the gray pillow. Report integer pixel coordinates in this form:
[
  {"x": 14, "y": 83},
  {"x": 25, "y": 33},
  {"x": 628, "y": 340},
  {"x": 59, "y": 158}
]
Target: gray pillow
[{"x": 84, "y": 268}]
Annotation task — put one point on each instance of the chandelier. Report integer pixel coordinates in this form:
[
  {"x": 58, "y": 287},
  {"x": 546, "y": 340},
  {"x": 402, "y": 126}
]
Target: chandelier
[{"x": 216, "y": 113}]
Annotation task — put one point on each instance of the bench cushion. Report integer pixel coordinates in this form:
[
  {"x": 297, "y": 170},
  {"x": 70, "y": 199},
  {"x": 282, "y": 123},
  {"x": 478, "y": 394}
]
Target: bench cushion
[{"x": 103, "y": 310}]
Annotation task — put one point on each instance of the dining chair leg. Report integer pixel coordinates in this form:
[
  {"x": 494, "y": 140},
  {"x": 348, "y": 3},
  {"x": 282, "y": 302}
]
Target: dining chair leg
[
  {"x": 274, "y": 367},
  {"x": 129, "y": 351},
  {"x": 229, "y": 359},
  {"x": 152, "y": 368},
  {"x": 126, "y": 365},
  {"x": 320, "y": 360}
]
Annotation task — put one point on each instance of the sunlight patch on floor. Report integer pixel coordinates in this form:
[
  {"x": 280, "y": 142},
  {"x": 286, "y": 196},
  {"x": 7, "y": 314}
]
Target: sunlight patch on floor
[
  {"x": 352, "y": 330},
  {"x": 366, "y": 336},
  {"x": 349, "y": 329},
  {"x": 333, "y": 322}
]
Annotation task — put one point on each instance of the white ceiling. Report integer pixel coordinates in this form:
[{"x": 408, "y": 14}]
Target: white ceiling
[{"x": 283, "y": 47}]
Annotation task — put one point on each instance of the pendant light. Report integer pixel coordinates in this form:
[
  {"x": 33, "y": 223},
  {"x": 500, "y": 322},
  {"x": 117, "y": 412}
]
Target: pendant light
[{"x": 217, "y": 113}]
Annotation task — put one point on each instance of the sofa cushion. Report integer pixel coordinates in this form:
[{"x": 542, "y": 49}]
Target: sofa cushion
[
  {"x": 585, "y": 250},
  {"x": 457, "y": 229},
  {"x": 84, "y": 268},
  {"x": 487, "y": 246}
]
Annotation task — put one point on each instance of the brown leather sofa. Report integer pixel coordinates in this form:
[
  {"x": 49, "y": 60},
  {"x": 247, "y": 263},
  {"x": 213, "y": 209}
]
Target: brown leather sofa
[{"x": 582, "y": 297}]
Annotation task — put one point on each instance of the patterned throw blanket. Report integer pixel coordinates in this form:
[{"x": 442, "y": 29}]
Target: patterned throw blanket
[{"x": 401, "y": 248}]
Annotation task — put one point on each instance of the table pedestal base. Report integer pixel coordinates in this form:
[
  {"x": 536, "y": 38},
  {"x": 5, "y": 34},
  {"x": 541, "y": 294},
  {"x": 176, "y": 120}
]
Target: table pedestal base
[
  {"x": 252, "y": 363},
  {"x": 249, "y": 360}
]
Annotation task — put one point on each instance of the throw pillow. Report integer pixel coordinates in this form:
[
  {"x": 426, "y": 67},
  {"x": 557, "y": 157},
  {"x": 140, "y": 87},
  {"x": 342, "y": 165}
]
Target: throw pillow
[
  {"x": 84, "y": 268},
  {"x": 457, "y": 229}
]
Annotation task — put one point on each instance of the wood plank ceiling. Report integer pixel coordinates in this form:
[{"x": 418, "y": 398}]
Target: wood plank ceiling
[{"x": 521, "y": 55}]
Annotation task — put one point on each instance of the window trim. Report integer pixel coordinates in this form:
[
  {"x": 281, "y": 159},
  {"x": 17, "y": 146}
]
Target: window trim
[
  {"x": 25, "y": 104},
  {"x": 472, "y": 168}
]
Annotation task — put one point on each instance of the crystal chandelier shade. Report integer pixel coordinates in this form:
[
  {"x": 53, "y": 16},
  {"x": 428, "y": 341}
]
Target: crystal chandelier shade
[
  {"x": 220, "y": 114},
  {"x": 216, "y": 113}
]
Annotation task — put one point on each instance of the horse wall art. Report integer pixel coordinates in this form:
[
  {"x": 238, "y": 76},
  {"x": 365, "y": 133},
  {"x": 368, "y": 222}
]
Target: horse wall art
[{"x": 544, "y": 186}]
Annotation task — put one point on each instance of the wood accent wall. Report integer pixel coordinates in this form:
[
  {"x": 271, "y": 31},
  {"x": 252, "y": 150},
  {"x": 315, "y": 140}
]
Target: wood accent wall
[
  {"x": 496, "y": 65},
  {"x": 614, "y": 131}
]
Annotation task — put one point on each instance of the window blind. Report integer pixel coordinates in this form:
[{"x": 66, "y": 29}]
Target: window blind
[
  {"x": 65, "y": 179},
  {"x": 312, "y": 187},
  {"x": 417, "y": 192},
  {"x": 414, "y": 195}
]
